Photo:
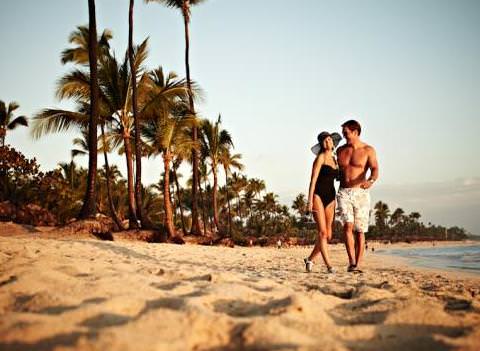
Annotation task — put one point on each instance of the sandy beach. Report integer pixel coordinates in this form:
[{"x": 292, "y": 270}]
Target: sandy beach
[{"x": 78, "y": 293}]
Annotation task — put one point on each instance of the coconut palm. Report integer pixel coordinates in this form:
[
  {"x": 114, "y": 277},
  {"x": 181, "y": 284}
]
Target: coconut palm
[
  {"x": 214, "y": 141},
  {"x": 256, "y": 186},
  {"x": 7, "y": 121},
  {"x": 397, "y": 216},
  {"x": 167, "y": 126},
  {"x": 136, "y": 118},
  {"x": 175, "y": 165},
  {"x": 164, "y": 134},
  {"x": 89, "y": 204},
  {"x": 300, "y": 205},
  {"x": 382, "y": 212},
  {"x": 229, "y": 162},
  {"x": 79, "y": 53},
  {"x": 184, "y": 6},
  {"x": 114, "y": 104}
]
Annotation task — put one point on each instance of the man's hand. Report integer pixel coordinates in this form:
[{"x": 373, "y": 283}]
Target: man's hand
[{"x": 367, "y": 184}]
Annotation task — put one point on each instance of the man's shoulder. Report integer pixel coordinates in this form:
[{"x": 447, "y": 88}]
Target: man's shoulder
[
  {"x": 368, "y": 148},
  {"x": 342, "y": 148}
]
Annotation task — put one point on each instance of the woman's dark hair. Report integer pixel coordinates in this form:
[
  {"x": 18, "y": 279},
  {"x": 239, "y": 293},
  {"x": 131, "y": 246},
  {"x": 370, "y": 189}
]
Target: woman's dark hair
[{"x": 352, "y": 125}]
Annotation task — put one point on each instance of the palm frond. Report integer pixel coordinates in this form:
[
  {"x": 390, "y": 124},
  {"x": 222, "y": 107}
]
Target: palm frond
[
  {"x": 12, "y": 107},
  {"x": 79, "y": 53},
  {"x": 54, "y": 120},
  {"x": 75, "y": 84},
  {"x": 21, "y": 120},
  {"x": 76, "y": 152}
]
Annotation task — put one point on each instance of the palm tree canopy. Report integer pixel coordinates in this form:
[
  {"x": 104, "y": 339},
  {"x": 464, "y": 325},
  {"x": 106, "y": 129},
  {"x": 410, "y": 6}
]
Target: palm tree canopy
[
  {"x": 183, "y": 5},
  {"x": 6, "y": 116},
  {"x": 229, "y": 161},
  {"x": 214, "y": 140},
  {"x": 79, "y": 53}
]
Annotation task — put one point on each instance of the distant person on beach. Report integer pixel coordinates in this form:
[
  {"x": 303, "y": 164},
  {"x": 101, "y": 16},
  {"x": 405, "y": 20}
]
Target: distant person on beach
[
  {"x": 355, "y": 159},
  {"x": 321, "y": 196}
]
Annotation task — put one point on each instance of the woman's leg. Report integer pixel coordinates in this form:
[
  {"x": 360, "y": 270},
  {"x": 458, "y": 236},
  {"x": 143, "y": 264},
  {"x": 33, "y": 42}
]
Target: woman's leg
[
  {"x": 321, "y": 245},
  {"x": 329, "y": 217}
]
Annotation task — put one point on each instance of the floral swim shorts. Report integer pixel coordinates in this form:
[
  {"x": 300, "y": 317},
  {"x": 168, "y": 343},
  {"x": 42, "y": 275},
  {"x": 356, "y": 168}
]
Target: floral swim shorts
[{"x": 353, "y": 206}]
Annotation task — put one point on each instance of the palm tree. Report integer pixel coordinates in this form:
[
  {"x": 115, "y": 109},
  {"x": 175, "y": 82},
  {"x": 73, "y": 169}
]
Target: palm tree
[
  {"x": 414, "y": 216},
  {"x": 7, "y": 121},
  {"x": 397, "y": 216},
  {"x": 166, "y": 126},
  {"x": 229, "y": 161},
  {"x": 163, "y": 134},
  {"x": 256, "y": 186},
  {"x": 89, "y": 207},
  {"x": 300, "y": 205},
  {"x": 114, "y": 104},
  {"x": 79, "y": 53},
  {"x": 185, "y": 5},
  {"x": 382, "y": 212},
  {"x": 138, "y": 146},
  {"x": 214, "y": 141},
  {"x": 175, "y": 165},
  {"x": 82, "y": 143}
]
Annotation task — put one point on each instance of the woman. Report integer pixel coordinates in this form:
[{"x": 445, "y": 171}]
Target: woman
[{"x": 321, "y": 195}]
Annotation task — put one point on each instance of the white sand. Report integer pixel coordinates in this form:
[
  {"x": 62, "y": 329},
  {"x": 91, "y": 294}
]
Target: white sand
[{"x": 87, "y": 294}]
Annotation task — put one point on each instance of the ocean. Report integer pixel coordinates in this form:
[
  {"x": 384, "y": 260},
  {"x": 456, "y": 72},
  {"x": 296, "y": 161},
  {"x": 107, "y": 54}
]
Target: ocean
[{"x": 458, "y": 258}]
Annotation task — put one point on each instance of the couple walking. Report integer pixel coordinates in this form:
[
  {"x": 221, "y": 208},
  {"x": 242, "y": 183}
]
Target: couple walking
[{"x": 355, "y": 158}]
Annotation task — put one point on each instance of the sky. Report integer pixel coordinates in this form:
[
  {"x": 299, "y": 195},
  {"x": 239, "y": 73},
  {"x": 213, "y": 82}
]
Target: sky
[{"x": 280, "y": 72}]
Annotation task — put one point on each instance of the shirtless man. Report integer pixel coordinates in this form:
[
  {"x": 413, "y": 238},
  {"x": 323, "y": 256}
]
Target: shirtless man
[{"x": 355, "y": 158}]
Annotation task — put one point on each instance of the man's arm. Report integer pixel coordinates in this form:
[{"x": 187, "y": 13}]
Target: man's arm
[{"x": 372, "y": 164}]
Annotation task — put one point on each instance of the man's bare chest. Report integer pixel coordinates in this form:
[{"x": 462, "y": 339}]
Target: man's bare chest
[{"x": 357, "y": 158}]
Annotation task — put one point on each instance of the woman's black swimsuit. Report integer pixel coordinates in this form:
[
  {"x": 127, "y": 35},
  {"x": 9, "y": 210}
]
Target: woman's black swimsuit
[{"x": 324, "y": 186}]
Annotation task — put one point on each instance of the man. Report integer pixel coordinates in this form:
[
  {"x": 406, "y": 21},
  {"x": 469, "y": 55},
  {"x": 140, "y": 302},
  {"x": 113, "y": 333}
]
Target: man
[{"x": 355, "y": 159}]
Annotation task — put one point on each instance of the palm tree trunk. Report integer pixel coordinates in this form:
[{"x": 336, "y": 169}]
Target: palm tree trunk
[
  {"x": 138, "y": 147},
  {"x": 89, "y": 204},
  {"x": 214, "y": 197},
  {"x": 116, "y": 219},
  {"x": 132, "y": 214},
  {"x": 203, "y": 210},
  {"x": 179, "y": 196},
  {"x": 71, "y": 173},
  {"x": 195, "y": 230},
  {"x": 228, "y": 203},
  {"x": 166, "y": 194},
  {"x": 3, "y": 133}
]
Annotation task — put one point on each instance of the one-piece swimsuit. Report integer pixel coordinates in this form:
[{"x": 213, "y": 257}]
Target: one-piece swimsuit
[{"x": 324, "y": 186}]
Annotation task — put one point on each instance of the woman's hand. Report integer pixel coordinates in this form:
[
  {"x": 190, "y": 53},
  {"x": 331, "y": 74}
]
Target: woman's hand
[{"x": 309, "y": 207}]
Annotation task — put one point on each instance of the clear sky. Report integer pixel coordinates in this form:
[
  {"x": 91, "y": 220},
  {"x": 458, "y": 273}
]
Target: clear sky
[{"x": 280, "y": 72}]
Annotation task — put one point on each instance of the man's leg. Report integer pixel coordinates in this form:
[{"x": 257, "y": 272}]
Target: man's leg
[
  {"x": 359, "y": 247},
  {"x": 349, "y": 242},
  {"x": 361, "y": 209}
]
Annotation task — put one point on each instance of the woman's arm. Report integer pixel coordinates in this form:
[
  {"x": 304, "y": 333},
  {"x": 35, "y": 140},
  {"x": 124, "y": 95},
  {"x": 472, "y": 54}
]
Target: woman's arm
[{"x": 317, "y": 164}]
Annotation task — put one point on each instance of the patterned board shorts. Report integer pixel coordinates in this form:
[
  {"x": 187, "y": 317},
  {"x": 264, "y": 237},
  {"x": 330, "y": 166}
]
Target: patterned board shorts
[{"x": 353, "y": 206}]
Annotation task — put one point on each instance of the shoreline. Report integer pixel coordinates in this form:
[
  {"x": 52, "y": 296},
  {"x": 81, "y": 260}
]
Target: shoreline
[{"x": 80, "y": 293}]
